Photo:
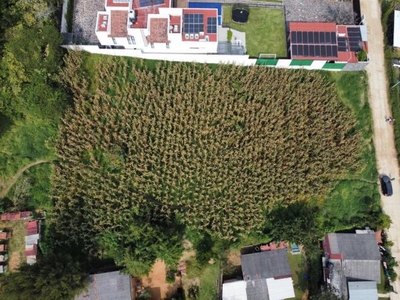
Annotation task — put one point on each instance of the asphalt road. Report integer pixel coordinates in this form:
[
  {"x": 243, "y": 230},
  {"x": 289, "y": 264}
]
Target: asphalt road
[{"x": 386, "y": 154}]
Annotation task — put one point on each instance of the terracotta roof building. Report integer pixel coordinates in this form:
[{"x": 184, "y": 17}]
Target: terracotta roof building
[{"x": 22, "y": 215}]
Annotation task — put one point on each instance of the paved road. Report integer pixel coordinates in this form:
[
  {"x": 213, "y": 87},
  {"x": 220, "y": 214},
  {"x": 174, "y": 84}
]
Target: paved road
[{"x": 383, "y": 132}]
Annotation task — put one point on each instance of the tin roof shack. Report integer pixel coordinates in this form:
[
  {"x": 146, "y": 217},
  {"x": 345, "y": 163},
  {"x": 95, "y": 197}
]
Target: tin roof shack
[{"x": 106, "y": 286}]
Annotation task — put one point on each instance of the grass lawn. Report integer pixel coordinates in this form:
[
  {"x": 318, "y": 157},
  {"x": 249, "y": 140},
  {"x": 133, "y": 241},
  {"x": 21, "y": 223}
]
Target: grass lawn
[
  {"x": 358, "y": 192},
  {"x": 265, "y": 30},
  {"x": 206, "y": 277},
  {"x": 296, "y": 263}
]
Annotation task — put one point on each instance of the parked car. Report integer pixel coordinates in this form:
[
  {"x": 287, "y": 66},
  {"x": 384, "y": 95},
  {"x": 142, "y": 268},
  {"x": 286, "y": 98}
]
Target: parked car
[{"x": 386, "y": 185}]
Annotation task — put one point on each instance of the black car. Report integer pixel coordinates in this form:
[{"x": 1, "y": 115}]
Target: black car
[{"x": 386, "y": 185}]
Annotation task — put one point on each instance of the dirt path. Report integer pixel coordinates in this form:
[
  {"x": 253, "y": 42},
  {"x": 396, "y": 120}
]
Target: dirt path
[
  {"x": 4, "y": 188},
  {"x": 383, "y": 132}
]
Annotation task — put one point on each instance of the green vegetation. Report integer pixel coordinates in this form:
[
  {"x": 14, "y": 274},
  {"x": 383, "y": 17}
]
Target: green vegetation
[
  {"x": 31, "y": 102},
  {"x": 215, "y": 172},
  {"x": 54, "y": 278},
  {"x": 265, "y": 30},
  {"x": 297, "y": 266},
  {"x": 393, "y": 73}
]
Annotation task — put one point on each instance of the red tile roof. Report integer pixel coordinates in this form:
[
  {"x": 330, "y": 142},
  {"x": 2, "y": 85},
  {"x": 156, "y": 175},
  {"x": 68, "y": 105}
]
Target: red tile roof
[
  {"x": 16, "y": 216},
  {"x": 311, "y": 26},
  {"x": 158, "y": 31},
  {"x": 4, "y": 235},
  {"x": 32, "y": 228},
  {"x": 32, "y": 251},
  {"x": 111, "y": 3},
  {"x": 119, "y": 23}
]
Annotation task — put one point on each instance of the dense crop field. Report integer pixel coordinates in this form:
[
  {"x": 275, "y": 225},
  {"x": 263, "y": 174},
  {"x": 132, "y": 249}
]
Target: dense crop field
[{"x": 208, "y": 149}]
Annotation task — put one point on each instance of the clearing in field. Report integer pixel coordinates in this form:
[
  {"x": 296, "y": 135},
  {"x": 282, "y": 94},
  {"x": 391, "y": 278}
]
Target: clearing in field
[
  {"x": 265, "y": 30},
  {"x": 187, "y": 146},
  {"x": 16, "y": 244}
]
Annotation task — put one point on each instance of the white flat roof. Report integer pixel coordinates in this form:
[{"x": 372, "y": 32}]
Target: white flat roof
[
  {"x": 280, "y": 288},
  {"x": 235, "y": 290},
  {"x": 396, "y": 31}
]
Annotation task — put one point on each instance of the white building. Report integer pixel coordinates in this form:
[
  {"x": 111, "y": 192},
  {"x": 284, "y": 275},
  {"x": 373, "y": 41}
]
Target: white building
[
  {"x": 396, "y": 30},
  {"x": 152, "y": 26}
]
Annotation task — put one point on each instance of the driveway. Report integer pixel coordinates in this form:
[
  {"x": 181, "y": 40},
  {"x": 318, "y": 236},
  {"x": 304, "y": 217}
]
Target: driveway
[{"x": 386, "y": 154}]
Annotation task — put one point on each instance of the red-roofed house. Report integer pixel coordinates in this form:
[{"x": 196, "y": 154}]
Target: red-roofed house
[
  {"x": 32, "y": 228},
  {"x": 326, "y": 41},
  {"x": 22, "y": 215},
  {"x": 4, "y": 235},
  {"x": 31, "y": 241},
  {"x": 152, "y": 26}
]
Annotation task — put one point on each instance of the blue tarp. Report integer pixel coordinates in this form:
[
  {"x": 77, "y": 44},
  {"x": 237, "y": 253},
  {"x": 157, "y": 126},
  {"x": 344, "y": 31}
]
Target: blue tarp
[{"x": 218, "y": 6}]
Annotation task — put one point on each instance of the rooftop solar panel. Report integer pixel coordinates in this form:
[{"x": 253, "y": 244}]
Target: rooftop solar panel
[
  {"x": 317, "y": 50},
  {"x": 321, "y": 38},
  {"x": 294, "y": 50},
  {"x": 329, "y": 51},
  {"x": 144, "y": 3},
  {"x": 194, "y": 23},
  {"x": 305, "y": 37},
  {"x": 333, "y": 37},
  {"x": 299, "y": 37},
  {"x": 316, "y": 37},
  {"x": 310, "y": 37},
  {"x": 334, "y": 51},
  {"x": 327, "y": 37},
  {"x": 293, "y": 37},
  {"x": 305, "y": 50},
  {"x": 343, "y": 49},
  {"x": 158, "y": 2},
  {"x": 353, "y": 29},
  {"x": 323, "y": 50},
  {"x": 211, "y": 25},
  {"x": 311, "y": 50},
  {"x": 300, "y": 50}
]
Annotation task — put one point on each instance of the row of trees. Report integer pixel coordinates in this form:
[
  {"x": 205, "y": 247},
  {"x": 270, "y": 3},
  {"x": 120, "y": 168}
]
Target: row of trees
[{"x": 208, "y": 149}]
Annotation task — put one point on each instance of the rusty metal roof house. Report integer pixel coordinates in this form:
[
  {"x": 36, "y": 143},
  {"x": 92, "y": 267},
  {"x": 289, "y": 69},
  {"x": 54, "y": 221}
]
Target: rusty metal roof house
[
  {"x": 21, "y": 215},
  {"x": 106, "y": 286}
]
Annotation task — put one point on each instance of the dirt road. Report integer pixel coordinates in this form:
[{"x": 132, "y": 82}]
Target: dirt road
[
  {"x": 386, "y": 154},
  {"x": 8, "y": 184}
]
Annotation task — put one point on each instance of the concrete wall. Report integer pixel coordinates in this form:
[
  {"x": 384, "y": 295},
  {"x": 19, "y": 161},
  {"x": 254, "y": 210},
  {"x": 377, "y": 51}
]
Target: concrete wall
[{"x": 241, "y": 60}]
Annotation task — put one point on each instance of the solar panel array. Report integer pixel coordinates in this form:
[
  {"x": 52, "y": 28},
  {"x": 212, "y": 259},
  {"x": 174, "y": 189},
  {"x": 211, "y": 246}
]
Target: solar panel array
[
  {"x": 342, "y": 44},
  {"x": 193, "y": 23},
  {"x": 314, "y": 43},
  {"x": 144, "y": 3},
  {"x": 355, "y": 40},
  {"x": 312, "y": 37},
  {"x": 211, "y": 25},
  {"x": 159, "y": 2}
]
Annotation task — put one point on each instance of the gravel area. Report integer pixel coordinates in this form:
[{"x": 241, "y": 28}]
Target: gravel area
[
  {"x": 85, "y": 19},
  {"x": 340, "y": 12}
]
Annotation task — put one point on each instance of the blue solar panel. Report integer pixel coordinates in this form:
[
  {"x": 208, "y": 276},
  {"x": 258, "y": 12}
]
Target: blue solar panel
[
  {"x": 144, "y": 3},
  {"x": 211, "y": 25},
  {"x": 158, "y": 2},
  {"x": 193, "y": 23}
]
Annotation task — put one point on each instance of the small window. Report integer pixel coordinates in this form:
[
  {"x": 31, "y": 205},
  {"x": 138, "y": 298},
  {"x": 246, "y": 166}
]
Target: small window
[{"x": 114, "y": 41}]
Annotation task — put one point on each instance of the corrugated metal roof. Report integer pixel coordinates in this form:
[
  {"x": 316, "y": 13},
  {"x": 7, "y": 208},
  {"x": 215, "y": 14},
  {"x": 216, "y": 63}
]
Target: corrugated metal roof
[
  {"x": 280, "y": 288},
  {"x": 235, "y": 290},
  {"x": 363, "y": 290},
  {"x": 257, "y": 289},
  {"x": 354, "y": 246},
  {"x": 106, "y": 286},
  {"x": 267, "y": 264}
]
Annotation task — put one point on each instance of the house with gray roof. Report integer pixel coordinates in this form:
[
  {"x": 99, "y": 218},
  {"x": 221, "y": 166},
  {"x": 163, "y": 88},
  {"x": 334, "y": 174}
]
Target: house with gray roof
[
  {"x": 352, "y": 264},
  {"x": 266, "y": 276},
  {"x": 106, "y": 286}
]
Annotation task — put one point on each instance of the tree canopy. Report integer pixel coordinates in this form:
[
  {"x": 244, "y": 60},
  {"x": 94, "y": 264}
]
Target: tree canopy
[{"x": 54, "y": 278}]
